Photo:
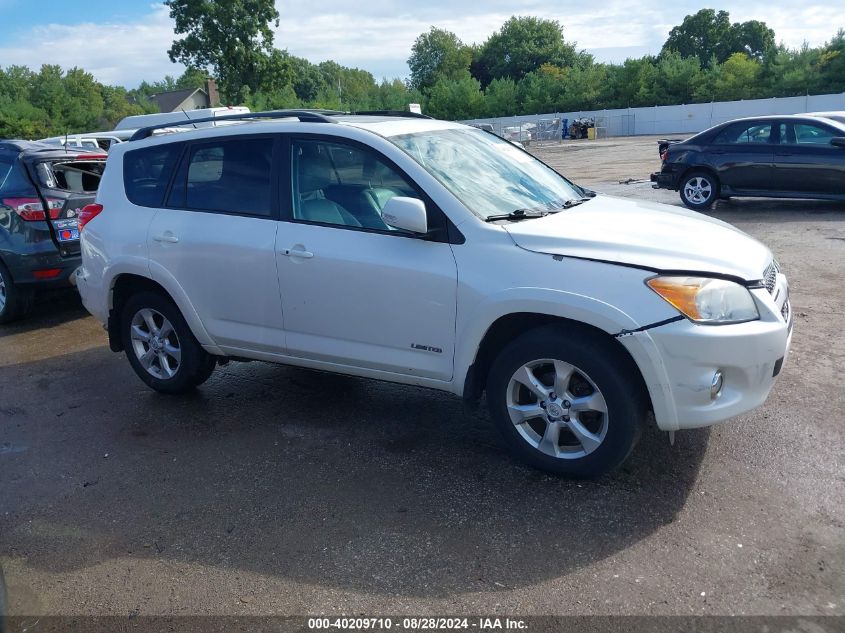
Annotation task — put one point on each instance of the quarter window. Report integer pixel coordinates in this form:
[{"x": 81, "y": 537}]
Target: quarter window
[
  {"x": 147, "y": 171},
  {"x": 336, "y": 183}
]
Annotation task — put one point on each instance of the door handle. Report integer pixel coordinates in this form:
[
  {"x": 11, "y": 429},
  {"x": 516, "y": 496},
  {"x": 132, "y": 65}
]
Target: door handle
[
  {"x": 298, "y": 252},
  {"x": 167, "y": 237}
]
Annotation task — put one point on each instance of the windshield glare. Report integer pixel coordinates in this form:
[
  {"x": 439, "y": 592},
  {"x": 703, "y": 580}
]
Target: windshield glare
[{"x": 486, "y": 173}]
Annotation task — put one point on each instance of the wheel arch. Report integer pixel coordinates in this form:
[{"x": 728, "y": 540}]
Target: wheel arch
[
  {"x": 126, "y": 284},
  {"x": 698, "y": 167},
  {"x": 509, "y": 326}
]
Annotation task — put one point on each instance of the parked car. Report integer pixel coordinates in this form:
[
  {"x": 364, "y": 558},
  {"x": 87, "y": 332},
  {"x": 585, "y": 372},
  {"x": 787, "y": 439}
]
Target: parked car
[
  {"x": 431, "y": 253},
  {"x": 202, "y": 116},
  {"x": 92, "y": 141},
  {"x": 838, "y": 116},
  {"x": 518, "y": 135},
  {"x": 42, "y": 190},
  {"x": 773, "y": 156}
]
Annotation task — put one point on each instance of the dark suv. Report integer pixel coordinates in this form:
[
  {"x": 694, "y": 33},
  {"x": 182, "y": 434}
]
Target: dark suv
[
  {"x": 771, "y": 156},
  {"x": 42, "y": 189}
]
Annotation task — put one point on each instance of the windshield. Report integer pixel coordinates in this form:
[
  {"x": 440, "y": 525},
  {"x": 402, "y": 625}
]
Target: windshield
[{"x": 488, "y": 174}]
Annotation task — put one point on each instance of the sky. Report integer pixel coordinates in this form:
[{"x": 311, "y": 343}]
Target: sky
[{"x": 123, "y": 42}]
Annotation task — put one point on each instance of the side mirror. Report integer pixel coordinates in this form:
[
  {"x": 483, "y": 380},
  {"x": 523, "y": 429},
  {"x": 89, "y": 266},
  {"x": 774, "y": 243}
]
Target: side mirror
[
  {"x": 838, "y": 141},
  {"x": 406, "y": 214}
]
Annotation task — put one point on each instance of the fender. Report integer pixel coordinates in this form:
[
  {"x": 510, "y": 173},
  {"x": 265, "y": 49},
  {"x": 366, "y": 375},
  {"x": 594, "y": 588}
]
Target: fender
[
  {"x": 472, "y": 328},
  {"x": 162, "y": 276},
  {"x": 151, "y": 270}
]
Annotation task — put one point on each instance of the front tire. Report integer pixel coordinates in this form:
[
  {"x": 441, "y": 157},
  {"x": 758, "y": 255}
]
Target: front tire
[
  {"x": 565, "y": 402},
  {"x": 699, "y": 190},
  {"x": 161, "y": 347}
]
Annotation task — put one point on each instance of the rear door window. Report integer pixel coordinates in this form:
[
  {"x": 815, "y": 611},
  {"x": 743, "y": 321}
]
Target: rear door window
[
  {"x": 745, "y": 133},
  {"x": 147, "y": 172},
  {"x": 226, "y": 176}
]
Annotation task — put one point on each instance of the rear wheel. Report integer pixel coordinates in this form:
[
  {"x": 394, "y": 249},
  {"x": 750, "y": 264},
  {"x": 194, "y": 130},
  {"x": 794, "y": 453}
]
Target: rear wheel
[
  {"x": 161, "y": 347},
  {"x": 15, "y": 302},
  {"x": 699, "y": 190},
  {"x": 565, "y": 403}
]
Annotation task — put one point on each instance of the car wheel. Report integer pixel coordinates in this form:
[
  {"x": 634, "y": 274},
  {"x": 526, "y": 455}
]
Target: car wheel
[
  {"x": 699, "y": 190},
  {"x": 161, "y": 347},
  {"x": 564, "y": 402},
  {"x": 15, "y": 302}
]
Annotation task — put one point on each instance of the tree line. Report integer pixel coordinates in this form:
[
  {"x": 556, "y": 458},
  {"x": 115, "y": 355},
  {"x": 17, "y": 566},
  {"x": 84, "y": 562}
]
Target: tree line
[{"x": 526, "y": 67}]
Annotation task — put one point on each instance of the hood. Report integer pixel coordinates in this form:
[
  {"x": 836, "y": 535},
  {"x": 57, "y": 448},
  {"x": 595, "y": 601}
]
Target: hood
[{"x": 646, "y": 234}]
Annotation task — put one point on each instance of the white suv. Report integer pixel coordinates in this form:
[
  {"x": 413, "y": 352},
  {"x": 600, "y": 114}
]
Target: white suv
[{"x": 431, "y": 253}]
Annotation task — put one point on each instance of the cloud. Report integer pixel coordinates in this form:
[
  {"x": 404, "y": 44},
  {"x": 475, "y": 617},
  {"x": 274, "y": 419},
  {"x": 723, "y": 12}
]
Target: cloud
[
  {"x": 377, "y": 35},
  {"x": 115, "y": 53}
]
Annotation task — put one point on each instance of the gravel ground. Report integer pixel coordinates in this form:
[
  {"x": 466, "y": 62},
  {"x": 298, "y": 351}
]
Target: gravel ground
[{"x": 260, "y": 495}]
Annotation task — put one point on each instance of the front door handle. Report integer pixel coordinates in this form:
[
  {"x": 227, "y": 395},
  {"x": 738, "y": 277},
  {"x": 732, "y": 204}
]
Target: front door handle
[
  {"x": 298, "y": 251},
  {"x": 166, "y": 237}
]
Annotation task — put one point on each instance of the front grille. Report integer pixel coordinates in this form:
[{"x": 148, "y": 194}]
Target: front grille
[{"x": 770, "y": 276}]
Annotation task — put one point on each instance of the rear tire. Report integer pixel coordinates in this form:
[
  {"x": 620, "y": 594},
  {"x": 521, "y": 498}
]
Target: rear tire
[
  {"x": 580, "y": 415},
  {"x": 15, "y": 302},
  {"x": 699, "y": 190},
  {"x": 161, "y": 347}
]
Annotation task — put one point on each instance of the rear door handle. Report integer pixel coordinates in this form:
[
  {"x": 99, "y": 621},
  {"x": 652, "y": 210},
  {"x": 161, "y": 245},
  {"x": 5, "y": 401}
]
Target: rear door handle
[
  {"x": 167, "y": 237},
  {"x": 298, "y": 251}
]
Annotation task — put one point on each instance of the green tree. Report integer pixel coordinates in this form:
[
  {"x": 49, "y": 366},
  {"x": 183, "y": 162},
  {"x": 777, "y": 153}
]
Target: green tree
[
  {"x": 736, "y": 79},
  {"x": 707, "y": 34},
  {"x": 231, "y": 37},
  {"x": 435, "y": 54},
  {"x": 501, "y": 98},
  {"x": 522, "y": 45},
  {"x": 456, "y": 99},
  {"x": 676, "y": 79}
]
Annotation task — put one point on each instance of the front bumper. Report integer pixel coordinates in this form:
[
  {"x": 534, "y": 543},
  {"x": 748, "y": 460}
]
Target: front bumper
[{"x": 749, "y": 356}]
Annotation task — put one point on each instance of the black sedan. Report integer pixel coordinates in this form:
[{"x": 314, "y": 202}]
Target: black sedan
[{"x": 773, "y": 156}]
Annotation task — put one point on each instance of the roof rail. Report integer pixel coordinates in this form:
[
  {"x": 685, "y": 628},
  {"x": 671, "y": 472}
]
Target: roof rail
[
  {"x": 397, "y": 113},
  {"x": 306, "y": 116}
]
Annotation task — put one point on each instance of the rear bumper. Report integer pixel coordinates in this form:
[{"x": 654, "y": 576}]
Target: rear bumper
[
  {"x": 663, "y": 180},
  {"x": 25, "y": 268}
]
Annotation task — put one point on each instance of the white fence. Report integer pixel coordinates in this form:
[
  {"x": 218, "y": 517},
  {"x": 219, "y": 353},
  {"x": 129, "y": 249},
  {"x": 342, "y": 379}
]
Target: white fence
[{"x": 678, "y": 119}]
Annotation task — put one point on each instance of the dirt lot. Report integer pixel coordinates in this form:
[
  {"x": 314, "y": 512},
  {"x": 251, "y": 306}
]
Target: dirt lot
[{"x": 252, "y": 497}]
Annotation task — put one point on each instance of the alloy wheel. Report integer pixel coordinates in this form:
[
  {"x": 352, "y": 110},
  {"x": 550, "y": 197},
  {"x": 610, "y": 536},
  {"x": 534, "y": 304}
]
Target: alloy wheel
[
  {"x": 155, "y": 343},
  {"x": 2, "y": 292},
  {"x": 557, "y": 408},
  {"x": 698, "y": 190}
]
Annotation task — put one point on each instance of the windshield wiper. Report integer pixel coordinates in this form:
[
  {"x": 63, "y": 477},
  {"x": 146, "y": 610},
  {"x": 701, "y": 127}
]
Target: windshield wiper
[
  {"x": 519, "y": 214},
  {"x": 539, "y": 212}
]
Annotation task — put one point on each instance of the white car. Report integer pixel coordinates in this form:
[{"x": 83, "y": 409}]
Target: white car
[{"x": 430, "y": 253}]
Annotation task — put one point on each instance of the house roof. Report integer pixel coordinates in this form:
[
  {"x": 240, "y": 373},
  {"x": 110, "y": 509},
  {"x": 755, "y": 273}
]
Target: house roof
[{"x": 169, "y": 101}]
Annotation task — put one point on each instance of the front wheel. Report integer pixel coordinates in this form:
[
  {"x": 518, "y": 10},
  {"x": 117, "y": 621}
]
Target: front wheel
[
  {"x": 565, "y": 402},
  {"x": 699, "y": 190},
  {"x": 161, "y": 347}
]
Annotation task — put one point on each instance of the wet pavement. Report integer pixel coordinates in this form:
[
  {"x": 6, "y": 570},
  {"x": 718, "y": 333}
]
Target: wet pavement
[{"x": 275, "y": 490}]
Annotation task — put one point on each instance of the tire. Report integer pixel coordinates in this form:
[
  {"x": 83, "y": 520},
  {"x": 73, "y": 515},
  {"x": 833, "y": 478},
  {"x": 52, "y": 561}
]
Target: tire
[
  {"x": 15, "y": 302},
  {"x": 583, "y": 436},
  {"x": 699, "y": 190},
  {"x": 161, "y": 347}
]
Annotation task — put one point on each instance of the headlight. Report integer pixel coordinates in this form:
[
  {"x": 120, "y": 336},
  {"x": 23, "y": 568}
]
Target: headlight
[{"x": 707, "y": 300}]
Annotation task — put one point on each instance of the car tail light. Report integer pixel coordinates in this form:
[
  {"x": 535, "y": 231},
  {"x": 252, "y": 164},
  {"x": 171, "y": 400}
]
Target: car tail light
[
  {"x": 32, "y": 210},
  {"x": 664, "y": 155},
  {"x": 88, "y": 213},
  {"x": 47, "y": 273},
  {"x": 91, "y": 157}
]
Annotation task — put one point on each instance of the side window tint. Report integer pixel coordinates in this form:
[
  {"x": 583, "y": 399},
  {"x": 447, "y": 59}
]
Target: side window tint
[
  {"x": 807, "y": 134},
  {"x": 229, "y": 176},
  {"x": 147, "y": 171},
  {"x": 743, "y": 133},
  {"x": 335, "y": 183}
]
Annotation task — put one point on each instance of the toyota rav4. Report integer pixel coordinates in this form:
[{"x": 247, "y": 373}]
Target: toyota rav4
[{"x": 431, "y": 253}]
